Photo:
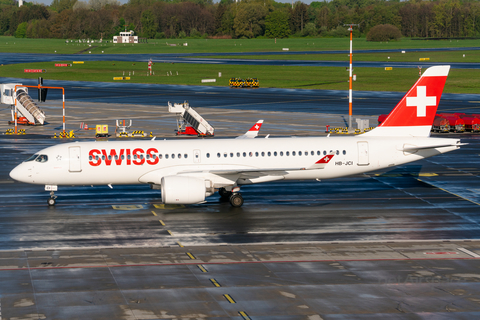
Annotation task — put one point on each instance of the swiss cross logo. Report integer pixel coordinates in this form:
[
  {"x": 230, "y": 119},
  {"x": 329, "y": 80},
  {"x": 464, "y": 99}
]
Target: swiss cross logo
[
  {"x": 421, "y": 101},
  {"x": 325, "y": 159},
  {"x": 257, "y": 127}
]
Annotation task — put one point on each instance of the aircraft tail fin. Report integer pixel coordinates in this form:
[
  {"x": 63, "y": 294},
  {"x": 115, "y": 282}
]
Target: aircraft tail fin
[
  {"x": 253, "y": 132},
  {"x": 414, "y": 114}
]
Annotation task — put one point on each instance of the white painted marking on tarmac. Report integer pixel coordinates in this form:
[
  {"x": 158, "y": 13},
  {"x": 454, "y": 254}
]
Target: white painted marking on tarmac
[{"x": 470, "y": 253}]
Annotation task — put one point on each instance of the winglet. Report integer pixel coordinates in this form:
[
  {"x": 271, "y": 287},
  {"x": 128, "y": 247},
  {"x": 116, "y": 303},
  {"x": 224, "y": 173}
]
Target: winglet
[
  {"x": 253, "y": 132},
  {"x": 320, "y": 164}
]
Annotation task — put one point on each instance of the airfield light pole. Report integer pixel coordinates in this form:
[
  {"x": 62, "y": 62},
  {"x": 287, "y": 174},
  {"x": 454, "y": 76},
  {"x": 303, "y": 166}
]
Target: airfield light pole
[
  {"x": 40, "y": 87},
  {"x": 350, "y": 76}
]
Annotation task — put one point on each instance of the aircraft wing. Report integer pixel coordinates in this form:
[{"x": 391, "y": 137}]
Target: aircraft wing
[
  {"x": 253, "y": 132},
  {"x": 254, "y": 172}
]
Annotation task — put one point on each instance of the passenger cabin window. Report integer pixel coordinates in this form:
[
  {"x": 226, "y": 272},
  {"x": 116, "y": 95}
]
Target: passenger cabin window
[{"x": 208, "y": 155}]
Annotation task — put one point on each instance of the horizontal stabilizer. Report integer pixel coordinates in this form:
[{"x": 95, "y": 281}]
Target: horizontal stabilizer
[{"x": 410, "y": 148}]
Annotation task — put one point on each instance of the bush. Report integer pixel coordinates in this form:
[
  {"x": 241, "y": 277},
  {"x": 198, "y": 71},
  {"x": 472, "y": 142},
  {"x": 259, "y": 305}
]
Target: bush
[
  {"x": 182, "y": 35},
  {"x": 384, "y": 32},
  {"x": 160, "y": 35},
  {"x": 195, "y": 34},
  {"x": 310, "y": 30},
  {"x": 338, "y": 32}
]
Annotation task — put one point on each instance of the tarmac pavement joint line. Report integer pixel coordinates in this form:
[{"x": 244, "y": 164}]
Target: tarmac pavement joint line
[
  {"x": 470, "y": 253},
  {"x": 359, "y": 242}
]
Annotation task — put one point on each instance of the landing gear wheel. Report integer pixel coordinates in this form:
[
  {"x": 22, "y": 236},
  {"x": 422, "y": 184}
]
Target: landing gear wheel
[
  {"x": 224, "y": 194},
  {"x": 51, "y": 202},
  {"x": 236, "y": 200}
]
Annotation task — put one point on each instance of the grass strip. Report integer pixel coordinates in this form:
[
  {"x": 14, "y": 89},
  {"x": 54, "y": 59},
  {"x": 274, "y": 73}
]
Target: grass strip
[{"x": 331, "y": 78}]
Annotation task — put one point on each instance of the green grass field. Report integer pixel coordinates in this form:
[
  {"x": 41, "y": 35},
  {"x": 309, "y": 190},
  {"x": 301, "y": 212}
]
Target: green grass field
[
  {"x": 335, "y": 78},
  {"x": 399, "y": 79},
  {"x": 11, "y": 44}
]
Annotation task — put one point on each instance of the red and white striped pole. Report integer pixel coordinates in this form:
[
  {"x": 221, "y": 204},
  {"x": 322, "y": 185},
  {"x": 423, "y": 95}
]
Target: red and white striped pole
[{"x": 350, "y": 84}]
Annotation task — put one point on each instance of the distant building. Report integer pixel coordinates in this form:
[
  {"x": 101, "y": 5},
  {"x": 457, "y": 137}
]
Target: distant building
[
  {"x": 126, "y": 37},
  {"x": 20, "y": 3}
]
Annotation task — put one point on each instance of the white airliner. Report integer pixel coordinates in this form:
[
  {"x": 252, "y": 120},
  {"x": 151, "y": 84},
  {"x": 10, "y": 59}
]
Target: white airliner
[{"x": 187, "y": 171}]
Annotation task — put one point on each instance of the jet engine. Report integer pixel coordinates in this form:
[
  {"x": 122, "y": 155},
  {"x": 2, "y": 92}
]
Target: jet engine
[{"x": 185, "y": 190}]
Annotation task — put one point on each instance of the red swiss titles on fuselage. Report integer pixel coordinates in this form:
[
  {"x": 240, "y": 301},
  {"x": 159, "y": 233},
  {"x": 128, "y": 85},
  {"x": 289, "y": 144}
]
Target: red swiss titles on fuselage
[{"x": 136, "y": 156}]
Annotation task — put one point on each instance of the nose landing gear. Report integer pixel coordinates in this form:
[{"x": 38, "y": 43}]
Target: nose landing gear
[{"x": 51, "y": 202}]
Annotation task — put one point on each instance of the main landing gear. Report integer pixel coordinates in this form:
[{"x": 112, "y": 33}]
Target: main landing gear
[
  {"x": 53, "y": 199},
  {"x": 234, "y": 197}
]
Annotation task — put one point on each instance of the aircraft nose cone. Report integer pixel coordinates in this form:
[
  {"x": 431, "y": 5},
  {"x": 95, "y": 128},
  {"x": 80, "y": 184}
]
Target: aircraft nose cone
[{"x": 18, "y": 174}]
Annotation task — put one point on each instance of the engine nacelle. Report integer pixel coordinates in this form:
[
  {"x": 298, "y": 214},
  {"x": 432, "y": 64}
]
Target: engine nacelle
[{"x": 183, "y": 190}]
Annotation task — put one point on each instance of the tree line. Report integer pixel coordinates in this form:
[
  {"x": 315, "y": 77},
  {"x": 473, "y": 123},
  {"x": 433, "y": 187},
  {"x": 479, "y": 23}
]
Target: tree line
[{"x": 94, "y": 19}]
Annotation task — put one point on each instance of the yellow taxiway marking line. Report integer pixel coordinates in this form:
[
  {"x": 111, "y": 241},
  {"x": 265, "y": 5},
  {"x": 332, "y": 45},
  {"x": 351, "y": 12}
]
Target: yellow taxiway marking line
[
  {"x": 202, "y": 268},
  {"x": 170, "y": 232},
  {"x": 191, "y": 256},
  {"x": 161, "y": 222},
  {"x": 154, "y": 213},
  {"x": 127, "y": 207},
  {"x": 229, "y": 299},
  {"x": 180, "y": 245},
  {"x": 244, "y": 315},
  {"x": 168, "y": 206},
  {"x": 215, "y": 283}
]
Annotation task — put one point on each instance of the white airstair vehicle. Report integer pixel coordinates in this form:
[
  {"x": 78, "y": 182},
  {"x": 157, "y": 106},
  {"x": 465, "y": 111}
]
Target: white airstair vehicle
[
  {"x": 186, "y": 114},
  {"x": 26, "y": 107}
]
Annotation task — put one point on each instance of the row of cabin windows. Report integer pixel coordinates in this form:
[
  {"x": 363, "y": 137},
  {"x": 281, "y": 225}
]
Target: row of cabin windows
[
  {"x": 141, "y": 156},
  {"x": 219, "y": 155},
  {"x": 275, "y": 153}
]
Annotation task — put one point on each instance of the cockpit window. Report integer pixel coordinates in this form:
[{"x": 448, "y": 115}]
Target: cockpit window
[
  {"x": 42, "y": 158},
  {"x": 31, "y": 158}
]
